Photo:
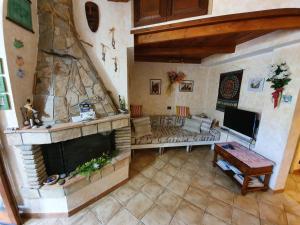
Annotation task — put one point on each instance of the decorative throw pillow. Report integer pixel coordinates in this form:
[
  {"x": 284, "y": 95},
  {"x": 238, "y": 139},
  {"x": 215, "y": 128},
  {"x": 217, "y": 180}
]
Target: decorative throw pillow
[
  {"x": 182, "y": 111},
  {"x": 192, "y": 125},
  {"x": 136, "y": 111},
  {"x": 142, "y": 127},
  {"x": 206, "y": 125}
]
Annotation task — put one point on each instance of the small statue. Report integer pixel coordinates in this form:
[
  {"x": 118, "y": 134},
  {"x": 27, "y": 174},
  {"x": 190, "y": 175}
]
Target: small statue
[
  {"x": 122, "y": 103},
  {"x": 30, "y": 115}
]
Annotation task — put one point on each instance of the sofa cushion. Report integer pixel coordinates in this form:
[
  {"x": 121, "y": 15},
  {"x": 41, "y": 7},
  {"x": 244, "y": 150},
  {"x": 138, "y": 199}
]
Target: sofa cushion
[
  {"x": 192, "y": 125},
  {"x": 206, "y": 125},
  {"x": 174, "y": 135},
  {"x": 142, "y": 127},
  {"x": 167, "y": 121}
]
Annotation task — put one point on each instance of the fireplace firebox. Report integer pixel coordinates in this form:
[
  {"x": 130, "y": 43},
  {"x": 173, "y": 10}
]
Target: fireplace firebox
[{"x": 65, "y": 157}]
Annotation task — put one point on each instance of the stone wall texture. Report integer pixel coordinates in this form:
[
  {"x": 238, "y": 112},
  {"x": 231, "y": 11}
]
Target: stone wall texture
[{"x": 65, "y": 75}]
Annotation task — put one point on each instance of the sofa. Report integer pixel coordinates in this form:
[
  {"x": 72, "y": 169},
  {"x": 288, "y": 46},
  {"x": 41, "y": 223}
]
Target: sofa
[{"x": 167, "y": 131}]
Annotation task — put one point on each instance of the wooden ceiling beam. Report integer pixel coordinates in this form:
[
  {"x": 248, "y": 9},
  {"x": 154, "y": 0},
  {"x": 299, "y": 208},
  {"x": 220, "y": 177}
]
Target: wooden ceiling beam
[
  {"x": 184, "y": 52},
  {"x": 253, "y": 25}
]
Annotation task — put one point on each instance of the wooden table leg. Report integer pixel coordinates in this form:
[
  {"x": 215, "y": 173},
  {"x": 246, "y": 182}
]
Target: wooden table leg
[
  {"x": 245, "y": 185},
  {"x": 215, "y": 158},
  {"x": 266, "y": 181}
]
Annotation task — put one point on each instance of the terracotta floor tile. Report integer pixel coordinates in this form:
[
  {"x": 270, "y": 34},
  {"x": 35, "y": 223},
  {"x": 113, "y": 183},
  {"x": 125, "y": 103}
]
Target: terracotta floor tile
[
  {"x": 162, "y": 178},
  {"x": 149, "y": 172},
  {"x": 293, "y": 219},
  {"x": 188, "y": 214},
  {"x": 158, "y": 164},
  {"x": 169, "y": 201},
  {"x": 202, "y": 182},
  {"x": 247, "y": 204},
  {"x": 222, "y": 194},
  {"x": 123, "y": 217},
  {"x": 197, "y": 197},
  {"x": 240, "y": 217},
  {"x": 272, "y": 214},
  {"x": 139, "y": 205},
  {"x": 152, "y": 190},
  {"x": 177, "y": 162},
  {"x": 170, "y": 169},
  {"x": 124, "y": 193},
  {"x": 138, "y": 181},
  {"x": 157, "y": 216},
  {"x": 105, "y": 209},
  {"x": 220, "y": 210},
  {"x": 211, "y": 220},
  {"x": 182, "y": 175},
  {"x": 178, "y": 187}
]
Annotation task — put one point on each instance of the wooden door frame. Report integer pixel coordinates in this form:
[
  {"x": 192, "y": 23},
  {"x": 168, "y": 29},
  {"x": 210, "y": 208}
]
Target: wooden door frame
[{"x": 7, "y": 196}]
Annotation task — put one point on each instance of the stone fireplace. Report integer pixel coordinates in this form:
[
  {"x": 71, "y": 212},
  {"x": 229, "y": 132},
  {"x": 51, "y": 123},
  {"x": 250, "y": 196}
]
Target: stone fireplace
[
  {"x": 66, "y": 77},
  {"x": 78, "y": 190}
]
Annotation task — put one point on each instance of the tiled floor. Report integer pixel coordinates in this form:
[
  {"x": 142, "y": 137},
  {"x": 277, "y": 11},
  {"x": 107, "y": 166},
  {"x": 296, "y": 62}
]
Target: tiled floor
[{"x": 180, "y": 188}]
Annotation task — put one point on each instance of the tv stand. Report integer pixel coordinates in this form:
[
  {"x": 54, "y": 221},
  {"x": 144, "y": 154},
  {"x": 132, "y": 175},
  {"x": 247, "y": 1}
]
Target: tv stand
[{"x": 250, "y": 165}]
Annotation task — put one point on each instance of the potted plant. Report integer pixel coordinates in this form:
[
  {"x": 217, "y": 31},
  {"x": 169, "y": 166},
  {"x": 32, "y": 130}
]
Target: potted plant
[{"x": 279, "y": 77}]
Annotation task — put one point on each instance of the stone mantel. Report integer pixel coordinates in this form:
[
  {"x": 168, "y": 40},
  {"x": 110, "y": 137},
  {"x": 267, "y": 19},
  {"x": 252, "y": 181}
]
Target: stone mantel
[{"x": 66, "y": 131}]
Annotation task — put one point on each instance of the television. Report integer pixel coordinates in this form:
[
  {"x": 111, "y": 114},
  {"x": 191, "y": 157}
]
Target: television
[{"x": 241, "y": 121}]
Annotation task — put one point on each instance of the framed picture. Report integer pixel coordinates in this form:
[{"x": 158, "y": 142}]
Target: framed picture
[
  {"x": 155, "y": 86},
  {"x": 1, "y": 67},
  {"x": 2, "y": 85},
  {"x": 256, "y": 84},
  {"x": 19, "y": 12},
  {"x": 229, "y": 90},
  {"x": 4, "y": 102},
  {"x": 186, "y": 86}
]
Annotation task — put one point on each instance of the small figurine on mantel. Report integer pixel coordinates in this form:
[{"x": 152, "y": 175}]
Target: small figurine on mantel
[
  {"x": 30, "y": 115},
  {"x": 122, "y": 104}
]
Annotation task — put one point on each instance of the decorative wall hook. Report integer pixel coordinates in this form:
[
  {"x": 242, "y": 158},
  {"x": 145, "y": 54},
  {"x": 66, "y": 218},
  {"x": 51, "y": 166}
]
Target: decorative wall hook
[
  {"x": 116, "y": 63},
  {"x": 103, "y": 52},
  {"x": 113, "y": 41}
]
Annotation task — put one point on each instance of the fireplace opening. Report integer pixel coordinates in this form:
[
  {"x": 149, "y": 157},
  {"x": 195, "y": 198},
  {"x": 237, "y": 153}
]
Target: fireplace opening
[{"x": 65, "y": 157}]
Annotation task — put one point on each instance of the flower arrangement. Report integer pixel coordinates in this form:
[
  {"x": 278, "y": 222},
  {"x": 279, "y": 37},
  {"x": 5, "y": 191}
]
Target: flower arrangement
[
  {"x": 174, "y": 77},
  {"x": 279, "y": 77}
]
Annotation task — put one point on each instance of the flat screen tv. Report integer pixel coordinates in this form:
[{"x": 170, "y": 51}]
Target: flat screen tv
[{"x": 241, "y": 121}]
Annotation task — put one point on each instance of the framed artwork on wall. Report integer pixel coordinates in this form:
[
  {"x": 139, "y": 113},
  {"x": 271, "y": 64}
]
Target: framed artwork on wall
[
  {"x": 1, "y": 67},
  {"x": 19, "y": 12},
  {"x": 155, "y": 86},
  {"x": 4, "y": 102},
  {"x": 186, "y": 86},
  {"x": 2, "y": 85},
  {"x": 229, "y": 90},
  {"x": 256, "y": 84}
]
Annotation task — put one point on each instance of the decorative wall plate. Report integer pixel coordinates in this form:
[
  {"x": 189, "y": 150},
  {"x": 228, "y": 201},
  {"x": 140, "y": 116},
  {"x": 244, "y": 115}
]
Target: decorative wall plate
[{"x": 92, "y": 15}]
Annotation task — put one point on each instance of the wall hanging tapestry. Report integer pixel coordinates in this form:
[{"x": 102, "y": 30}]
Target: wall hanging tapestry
[
  {"x": 155, "y": 87},
  {"x": 279, "y": 77},
  {"x": 92, "y": 15},
  {"x": 186, "y": 86},
  {"x": 19, "y": 12},
  {"x": 229, "y": 90}
]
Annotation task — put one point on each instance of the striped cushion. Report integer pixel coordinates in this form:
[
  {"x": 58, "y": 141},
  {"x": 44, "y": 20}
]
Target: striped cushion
[
  {"x": 182, "y": 111},
  {"x": 136, "y": 111},
  {"x": 142, "y": 127},
  {"x": 206, "y": 125},
  {"x": 192, "y": 125}
]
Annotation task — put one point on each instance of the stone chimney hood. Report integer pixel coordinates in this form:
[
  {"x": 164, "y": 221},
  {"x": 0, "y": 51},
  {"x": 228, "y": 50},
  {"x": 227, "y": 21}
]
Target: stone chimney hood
[{"x": 65, "y": 75}]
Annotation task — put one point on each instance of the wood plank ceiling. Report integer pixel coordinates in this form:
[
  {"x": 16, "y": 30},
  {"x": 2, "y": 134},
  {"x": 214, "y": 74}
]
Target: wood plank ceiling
[{"x": 191, "y": 41}]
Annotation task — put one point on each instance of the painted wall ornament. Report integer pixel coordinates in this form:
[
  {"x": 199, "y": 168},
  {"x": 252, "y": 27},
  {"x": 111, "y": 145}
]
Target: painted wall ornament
[
  {"x": 113, "y": 41},
  {"x": 279, "y": 76},
  {"x": 18, "y": 44},
  {"x": 20, "y": 63},
  {"x": 92, "y": 15}
]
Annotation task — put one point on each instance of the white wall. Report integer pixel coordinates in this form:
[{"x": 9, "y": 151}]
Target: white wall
[
  {"x": 18, "y": 89},
  {"x": 157, "y": 104},
  {"x": 112, "y": 14}
]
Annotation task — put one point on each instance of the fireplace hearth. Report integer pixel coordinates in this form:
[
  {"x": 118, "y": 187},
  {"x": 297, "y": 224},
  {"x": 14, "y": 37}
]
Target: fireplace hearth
[{"x": 65, "y": 157}]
